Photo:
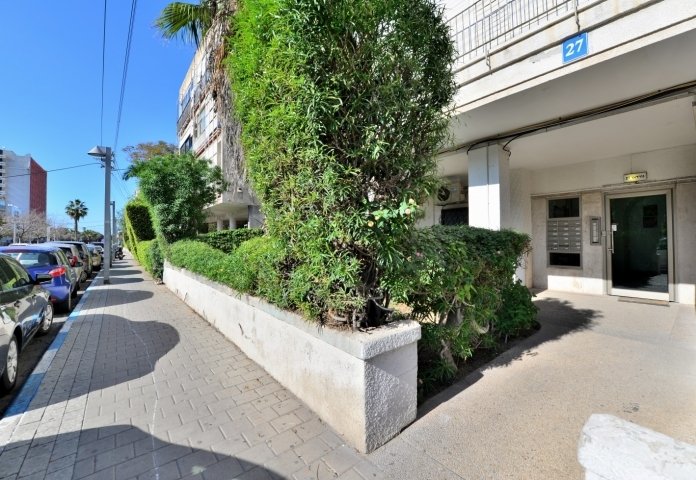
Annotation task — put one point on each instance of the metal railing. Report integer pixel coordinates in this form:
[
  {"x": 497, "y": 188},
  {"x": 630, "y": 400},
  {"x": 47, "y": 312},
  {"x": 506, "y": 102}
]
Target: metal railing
[
  {"x": 486, "y": 24},
  {"x": 184, "y": 118}
]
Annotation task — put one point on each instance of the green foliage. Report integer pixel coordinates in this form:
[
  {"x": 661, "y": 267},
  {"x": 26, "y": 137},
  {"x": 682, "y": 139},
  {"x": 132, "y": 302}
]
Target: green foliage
[
  {"x": 155, "y": 259},
  {"x": 140, "y": 238},
  {"x": 143, "y": 255},
  {"x": 252, "y": 268},
  {"x": 138, "y": 214},
  {"x": 341, "y": 104},
  {"x": 177, "y": 187},
  {"x": 229, "y": 240},
  {"x": 517, "y": 312},
  {"x": 459, "y": 283},
  {"x": 202, "y": 259}
]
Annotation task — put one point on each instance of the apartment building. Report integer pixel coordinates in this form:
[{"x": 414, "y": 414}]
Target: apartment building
[
  {"x": 22, "y": 184},
  {"x": 199, "y": 130},
  {"x": 575, "y": 122}
]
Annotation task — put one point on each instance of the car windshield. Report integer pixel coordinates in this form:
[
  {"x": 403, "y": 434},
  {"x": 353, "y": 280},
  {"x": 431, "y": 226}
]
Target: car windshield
[{"x": 33, "y": 259}]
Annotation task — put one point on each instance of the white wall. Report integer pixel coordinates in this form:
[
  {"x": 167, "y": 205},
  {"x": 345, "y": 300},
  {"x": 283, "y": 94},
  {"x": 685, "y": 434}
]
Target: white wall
[
  {"x": 17, "y": 185},
  {"x": 664, "y": 168},
  {"x": 660, "y": 165}
]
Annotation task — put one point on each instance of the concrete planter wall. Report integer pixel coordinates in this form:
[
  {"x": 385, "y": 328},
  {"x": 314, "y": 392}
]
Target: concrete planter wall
[{"x": 362, "y": 384}]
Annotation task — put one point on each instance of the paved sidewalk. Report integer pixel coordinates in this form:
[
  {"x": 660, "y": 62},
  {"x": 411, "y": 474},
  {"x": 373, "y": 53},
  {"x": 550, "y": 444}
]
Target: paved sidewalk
[
  {"x": 520, "y": 417},
  {"x": 144, "y": 388}
]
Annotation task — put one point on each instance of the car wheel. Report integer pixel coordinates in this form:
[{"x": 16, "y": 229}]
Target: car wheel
[
  {"x": 83, "y": 277},
  {"x": 9, "y": 375},
  {"x": 47, "y": 320}
]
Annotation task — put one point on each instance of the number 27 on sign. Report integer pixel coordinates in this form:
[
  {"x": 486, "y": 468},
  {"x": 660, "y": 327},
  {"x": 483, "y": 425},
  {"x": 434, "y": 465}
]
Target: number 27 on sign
[{"x": 575, "y": 47}]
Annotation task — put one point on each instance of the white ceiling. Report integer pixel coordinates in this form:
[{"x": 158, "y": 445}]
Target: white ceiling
[{"x": 651, "y": 128}]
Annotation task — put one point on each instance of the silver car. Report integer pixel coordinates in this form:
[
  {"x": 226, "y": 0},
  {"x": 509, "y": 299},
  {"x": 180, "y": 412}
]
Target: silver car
[
  {"x": 73, "y": 255},
  {"x": 25, "y": 310}
]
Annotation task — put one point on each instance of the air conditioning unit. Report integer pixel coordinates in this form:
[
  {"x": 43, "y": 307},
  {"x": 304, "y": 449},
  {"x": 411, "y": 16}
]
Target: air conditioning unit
[{"x": 452, "y": 191}]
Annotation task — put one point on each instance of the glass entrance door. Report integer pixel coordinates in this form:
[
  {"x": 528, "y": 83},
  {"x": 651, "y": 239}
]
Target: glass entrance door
[{"x": 639, "y": 245}]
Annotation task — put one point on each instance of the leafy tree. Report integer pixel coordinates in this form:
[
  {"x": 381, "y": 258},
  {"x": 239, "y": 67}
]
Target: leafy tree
[
  {"x": 76, "y": 209},
  {"x": 342, "y": 106},
  {"x": 91, "y": 236},
  {"x": 178, "y": 188},
  {"x": 147, "y": 150},
  {"x": 26, "y": 227}
]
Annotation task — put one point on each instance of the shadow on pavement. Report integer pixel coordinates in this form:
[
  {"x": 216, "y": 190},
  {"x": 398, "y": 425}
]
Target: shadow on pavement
[
  {"x": 124, "y": 351},
  {"x": 118, "y": 296},
  {"x": 557, "y": 318},
  {"x": 128, "y": 350},
  {"x": 120, "y": 270},
  {"x": 123, "y": 281},
  {"x": 121, "y": 451}
]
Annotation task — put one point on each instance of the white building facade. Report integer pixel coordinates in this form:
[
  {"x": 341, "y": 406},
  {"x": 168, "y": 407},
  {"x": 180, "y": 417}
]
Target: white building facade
[
  {"x": 23, "y": 184},
  {"x": 199, "y": 130},
  {"x": 575, "y": 122}
]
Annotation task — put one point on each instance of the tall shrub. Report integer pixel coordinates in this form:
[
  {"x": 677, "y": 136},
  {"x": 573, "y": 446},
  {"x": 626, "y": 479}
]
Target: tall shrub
[
  {"x": 178, "y": 188},
  {"x": 341, "y": 104}
]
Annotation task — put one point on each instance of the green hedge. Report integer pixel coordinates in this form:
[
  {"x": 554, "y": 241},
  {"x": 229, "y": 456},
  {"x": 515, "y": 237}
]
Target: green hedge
[
  {"x": 229, "y": 240},
  {"x": 138, "y": 215},
  {"x": 141, "y": 240},
  {"x": 252, "y": 268},
  {"x": 143, "y": 255},
  {"x": 459, "y": 283}
]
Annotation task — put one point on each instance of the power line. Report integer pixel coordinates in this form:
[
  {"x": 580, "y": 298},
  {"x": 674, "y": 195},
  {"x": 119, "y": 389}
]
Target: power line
[
  {"x": 125, "y": 70},
  {"x": 47, "y": 171},
  {"x": 101, "y": 131}
]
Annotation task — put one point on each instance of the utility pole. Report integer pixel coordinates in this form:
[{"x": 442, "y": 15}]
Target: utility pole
[
  {"x": 114, "y": 231},
  {"x": 105, "y": 154}
]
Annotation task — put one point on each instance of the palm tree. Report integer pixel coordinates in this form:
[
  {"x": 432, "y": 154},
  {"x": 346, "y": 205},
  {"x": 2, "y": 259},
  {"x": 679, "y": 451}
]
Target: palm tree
[
  {"x": 187, "y": 20},
  {"x": 207, "y": 24},
  {"x": 76, "y": 209}
]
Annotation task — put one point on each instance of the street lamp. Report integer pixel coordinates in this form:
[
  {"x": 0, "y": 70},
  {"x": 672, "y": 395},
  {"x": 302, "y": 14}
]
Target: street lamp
[
  {"x": 14, "y": 222},
  {"x": 105, "y": 153}
]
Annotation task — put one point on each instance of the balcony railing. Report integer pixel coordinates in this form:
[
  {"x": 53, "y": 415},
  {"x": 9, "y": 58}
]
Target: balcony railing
[
  {"x": 184, "y": 118},
  {"x": 486, "y": 24}
]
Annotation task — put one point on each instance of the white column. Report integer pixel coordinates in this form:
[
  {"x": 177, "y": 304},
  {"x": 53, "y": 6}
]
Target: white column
[
  {"x": 233, "y": 223},
  {"x": 219, "y": 225},
  {"x": 489, "y": 187}
]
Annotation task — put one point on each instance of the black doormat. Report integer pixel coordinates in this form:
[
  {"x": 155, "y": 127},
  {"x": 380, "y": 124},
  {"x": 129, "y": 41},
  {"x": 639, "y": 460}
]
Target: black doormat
[{"x": 647, "y": 301}]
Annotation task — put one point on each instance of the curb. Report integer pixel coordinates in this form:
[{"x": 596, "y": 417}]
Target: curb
[{"x": 21, "y": 402}]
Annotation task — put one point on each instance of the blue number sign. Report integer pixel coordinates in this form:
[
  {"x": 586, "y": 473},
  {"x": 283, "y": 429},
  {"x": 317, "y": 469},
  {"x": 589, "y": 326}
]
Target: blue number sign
[{"x": 575, "y": 48}]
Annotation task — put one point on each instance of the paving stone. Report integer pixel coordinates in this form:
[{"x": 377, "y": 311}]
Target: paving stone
[
  {"x": 144, "y": 388},
  {"x": 196, "y": 462},
  {"x": 341, "y": 459},
  {"x": 228, "y": 468}
]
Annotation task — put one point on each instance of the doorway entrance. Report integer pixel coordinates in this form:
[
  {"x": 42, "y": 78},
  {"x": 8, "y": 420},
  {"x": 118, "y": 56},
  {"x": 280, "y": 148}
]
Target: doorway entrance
[{"x": 639, "y": 245}]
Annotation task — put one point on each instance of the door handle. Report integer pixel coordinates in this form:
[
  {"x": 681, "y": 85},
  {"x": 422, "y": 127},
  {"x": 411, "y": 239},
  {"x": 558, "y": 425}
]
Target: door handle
[{"x": 611, "y": 239}]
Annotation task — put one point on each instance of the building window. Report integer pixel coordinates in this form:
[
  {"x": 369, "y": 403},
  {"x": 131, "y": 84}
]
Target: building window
[
  {"x": 564, "y": 232},
  {"x": 187, "y": 145},
  {"x": 454, "y": 216},
  {"x": 200, "y": 123}
]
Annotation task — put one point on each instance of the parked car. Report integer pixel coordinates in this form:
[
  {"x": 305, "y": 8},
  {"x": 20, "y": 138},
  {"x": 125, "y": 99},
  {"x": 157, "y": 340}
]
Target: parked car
[
  {"x": 84, "y": 255},
  {"x": 25, "y": 309},
  {"x": 73, "y": 255},
  {"x": 50, "y": 260},
  {"x": 96, "y": 257},
  {"x": 98, "y": 247}
]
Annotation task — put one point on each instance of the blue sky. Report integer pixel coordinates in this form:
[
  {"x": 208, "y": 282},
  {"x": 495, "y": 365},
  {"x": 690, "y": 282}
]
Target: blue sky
[{"x": 50, "y": 92}]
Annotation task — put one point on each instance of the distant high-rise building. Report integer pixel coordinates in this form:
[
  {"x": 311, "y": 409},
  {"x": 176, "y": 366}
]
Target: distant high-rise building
[{"x": 22, "y": 183}]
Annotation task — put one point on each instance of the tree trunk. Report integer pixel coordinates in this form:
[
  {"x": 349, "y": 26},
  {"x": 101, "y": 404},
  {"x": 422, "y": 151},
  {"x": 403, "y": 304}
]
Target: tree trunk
[{"x": 76, "y": 229}]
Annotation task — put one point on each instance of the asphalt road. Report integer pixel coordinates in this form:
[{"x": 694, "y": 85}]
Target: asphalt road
[{"x": 32, "y": 354}]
